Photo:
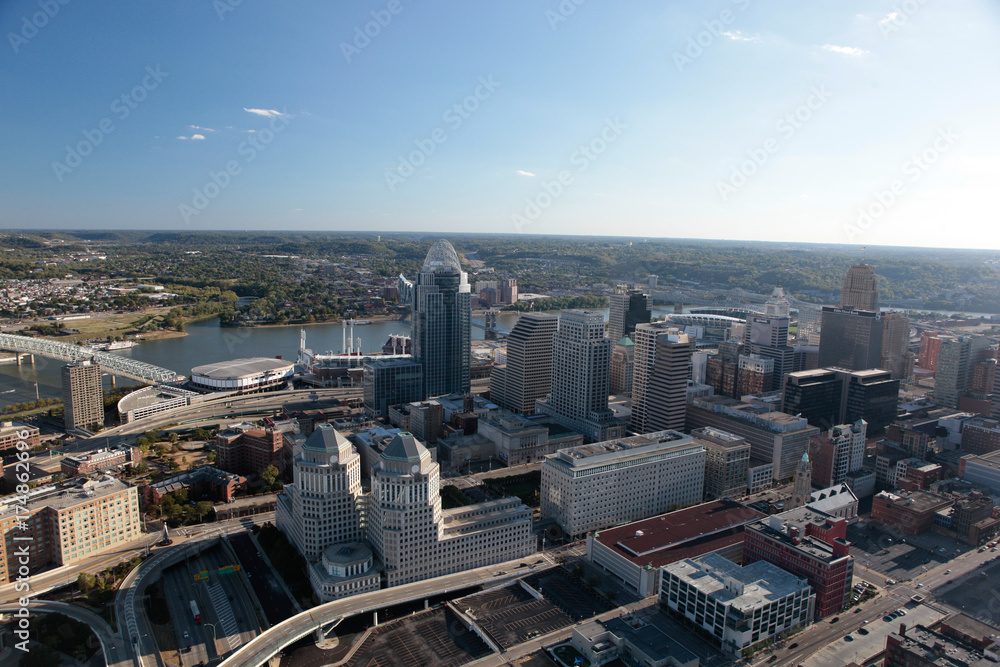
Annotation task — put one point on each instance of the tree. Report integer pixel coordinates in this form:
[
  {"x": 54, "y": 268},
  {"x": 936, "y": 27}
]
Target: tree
[
  {"x": 204, "y": 508},
  {"x": 85, "y": 581},
  {"x": 173, "y": 438},
  {"x": 41, "y": 655},
  {"x": 270, "y": 478}
]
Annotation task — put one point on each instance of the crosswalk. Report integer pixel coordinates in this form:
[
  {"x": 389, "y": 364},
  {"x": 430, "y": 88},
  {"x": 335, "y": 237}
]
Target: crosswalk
[{"x": 224, "y": 611}]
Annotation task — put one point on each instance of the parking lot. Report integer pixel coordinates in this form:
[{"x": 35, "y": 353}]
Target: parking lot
[
  {"x": 975, "y": 594},
  {"x": 434, "y": 637},
  {"x": 896, "y": 557},
  {"x": 511, "y": 615},
  {"x": 574, "y": 598}
]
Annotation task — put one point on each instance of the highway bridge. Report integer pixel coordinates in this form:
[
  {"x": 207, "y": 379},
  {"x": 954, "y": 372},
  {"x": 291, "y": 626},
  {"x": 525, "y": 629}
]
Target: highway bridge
[{"x": 110, "y": 363}]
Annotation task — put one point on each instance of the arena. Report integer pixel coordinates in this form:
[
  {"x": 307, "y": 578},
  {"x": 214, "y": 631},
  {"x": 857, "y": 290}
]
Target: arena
[{"x": 242, "y": 374}]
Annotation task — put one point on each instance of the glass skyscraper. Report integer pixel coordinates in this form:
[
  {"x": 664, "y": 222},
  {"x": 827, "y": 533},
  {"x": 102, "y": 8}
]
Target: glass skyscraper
[{"x": 442, "y": 308}]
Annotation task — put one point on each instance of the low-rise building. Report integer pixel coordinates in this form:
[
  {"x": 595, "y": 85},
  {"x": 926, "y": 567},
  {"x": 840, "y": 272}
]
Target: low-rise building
[
  {"x": 246, "y": 449},
  {"x": 738, "y": 606},
  {"x": 838, "y": 500},
  {"x": 12, "y": 433},
  {"x": 634, "y": 553},
  {"x": 101, "y": 459},
  {"x": 602, "y": 642},
  {"x": 980, "y": 435},
  {"x": 220, "y": 485},
  {"x": 650, "y": 474},
  {"x": 521, "y": 440},
  {"x": 911, "y": 512},
  {"x": 921, "y": 647}
]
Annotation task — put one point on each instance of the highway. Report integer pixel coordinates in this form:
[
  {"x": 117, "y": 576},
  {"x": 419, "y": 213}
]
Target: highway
[
  {"x": 268, "y": 644},
  {"x": 112, "y": 647}
]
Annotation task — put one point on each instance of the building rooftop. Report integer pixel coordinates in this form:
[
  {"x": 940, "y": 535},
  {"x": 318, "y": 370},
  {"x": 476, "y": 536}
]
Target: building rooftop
[
  {"x": 68, "y": 495},
  {"x": 325, "y": 439},
  {"x": 744, "y": 588},
  {"x": 682, "y": 534},
  {"x": 778, "y": 526},
  {"x": 917, "y": 501},
  {"x": 236, "y": 368},
  {"x": 831, "y": 499},
  {"x": 940, "y": 650},
  {"x": 404, "y": 447},
  {"x": 650, "y": 640},
  {"x": 600, "y": 453}
]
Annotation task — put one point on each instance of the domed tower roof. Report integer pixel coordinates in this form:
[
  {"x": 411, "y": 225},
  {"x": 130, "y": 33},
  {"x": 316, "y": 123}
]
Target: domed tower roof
[{"x": 442, "y": 257}]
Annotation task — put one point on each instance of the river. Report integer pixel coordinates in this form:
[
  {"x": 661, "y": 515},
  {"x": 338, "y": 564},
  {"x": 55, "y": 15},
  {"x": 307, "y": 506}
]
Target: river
[{"x": 207, "y": 342}]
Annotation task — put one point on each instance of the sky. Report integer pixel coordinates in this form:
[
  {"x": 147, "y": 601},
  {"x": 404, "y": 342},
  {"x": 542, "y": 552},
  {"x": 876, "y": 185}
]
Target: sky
[{"x": 839, "y": 121}]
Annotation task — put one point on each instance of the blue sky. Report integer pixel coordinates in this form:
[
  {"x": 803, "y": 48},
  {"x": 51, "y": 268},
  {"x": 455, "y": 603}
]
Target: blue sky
[{"x": 838, "y": 121}]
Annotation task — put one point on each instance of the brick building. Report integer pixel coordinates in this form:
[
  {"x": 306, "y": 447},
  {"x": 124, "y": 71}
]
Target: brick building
[
  {"x": 911, "y": 512},
  {"x": 247, "y": 450},
  {"x": 981, "y": 435},
  {"x": 102, "y": 459},
  {"x": 810, "y": 544}
]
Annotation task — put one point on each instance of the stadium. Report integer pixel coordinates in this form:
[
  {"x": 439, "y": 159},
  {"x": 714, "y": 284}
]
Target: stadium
[{"x": 242, "y": 374}]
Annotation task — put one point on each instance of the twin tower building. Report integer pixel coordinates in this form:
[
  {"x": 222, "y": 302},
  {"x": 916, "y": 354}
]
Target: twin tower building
[{"x": 356, "y": 542}]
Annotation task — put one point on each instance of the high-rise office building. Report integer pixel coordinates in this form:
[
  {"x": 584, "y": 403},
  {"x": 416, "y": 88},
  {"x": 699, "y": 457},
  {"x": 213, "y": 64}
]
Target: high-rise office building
[
  {"x": 622, "y": 366},
  {"x": 677, "y": 352},
  {"x": 727, "y": 462},
  {"x": 831, "y": 396},
  {"x": 415, "y": 539},
  {"x": 755, "y": 375},
  {"x": 777, "y": 304},
  {"x": 851, "y": 338},
  {"x": 666, "y": 389},
  {"x": 527, "y": 375},
  {"x": 388, "y": 382},
  {"x": 83, "y": 399},
  {"x": 767, "y": 336},
  {"x": 442, "y": 311},
  {"x": 896, "y": 355},
  {"x": 581, "y": 369},
  {"x": 859, "y": 290},
  {"x": 597, "y": 486},
  {"x": 320, "y": 507},
  {"x": 837, "y": 452},
  {"x": 952, "y": 376},
  {"x": 628, "y": 308},
  {"x": 722, "y": 369}
]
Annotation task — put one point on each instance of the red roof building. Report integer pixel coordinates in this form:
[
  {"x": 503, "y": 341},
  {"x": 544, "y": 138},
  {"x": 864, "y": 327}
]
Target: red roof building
[{"x": 635, "y": 552}]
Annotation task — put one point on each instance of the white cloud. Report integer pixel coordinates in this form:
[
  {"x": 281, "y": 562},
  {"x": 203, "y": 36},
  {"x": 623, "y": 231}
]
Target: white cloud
[
  {"x": 521, "y": 172},
  {"x": 845, "y": 50},
  {"x": 890, "y": 17},
  {"x": 182, "y": 137},
  {"x": 199, "y": 127},
  {"x": 197, "y": 137},
  {"x": 738, "y": 36},
  {"x": 267, "y": 113}
]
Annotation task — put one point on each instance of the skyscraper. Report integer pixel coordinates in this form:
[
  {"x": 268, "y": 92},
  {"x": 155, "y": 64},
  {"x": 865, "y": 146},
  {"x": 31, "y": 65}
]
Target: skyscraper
[
  {"x": 851, "y": 339},
  {"x": 442, "y": 310},
  {"x": 767, "y": 337},
  {"x": 581, "y": 368},
  {"x": 83, "y": 399},
  {"x": 527, "y": 375},
  {"x": 952, "y": 376},
  {"x": 666, "y": 395},
  {"x": 896, "y": 355},
  {"x": 859, "y": 291},
  {"x": 629, "y": 307},
  {"x": 645, "y": 337}
]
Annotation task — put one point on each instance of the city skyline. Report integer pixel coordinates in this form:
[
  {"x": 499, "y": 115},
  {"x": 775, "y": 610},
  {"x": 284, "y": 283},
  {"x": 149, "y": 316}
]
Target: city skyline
[{"x": 858, "y": 124}]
